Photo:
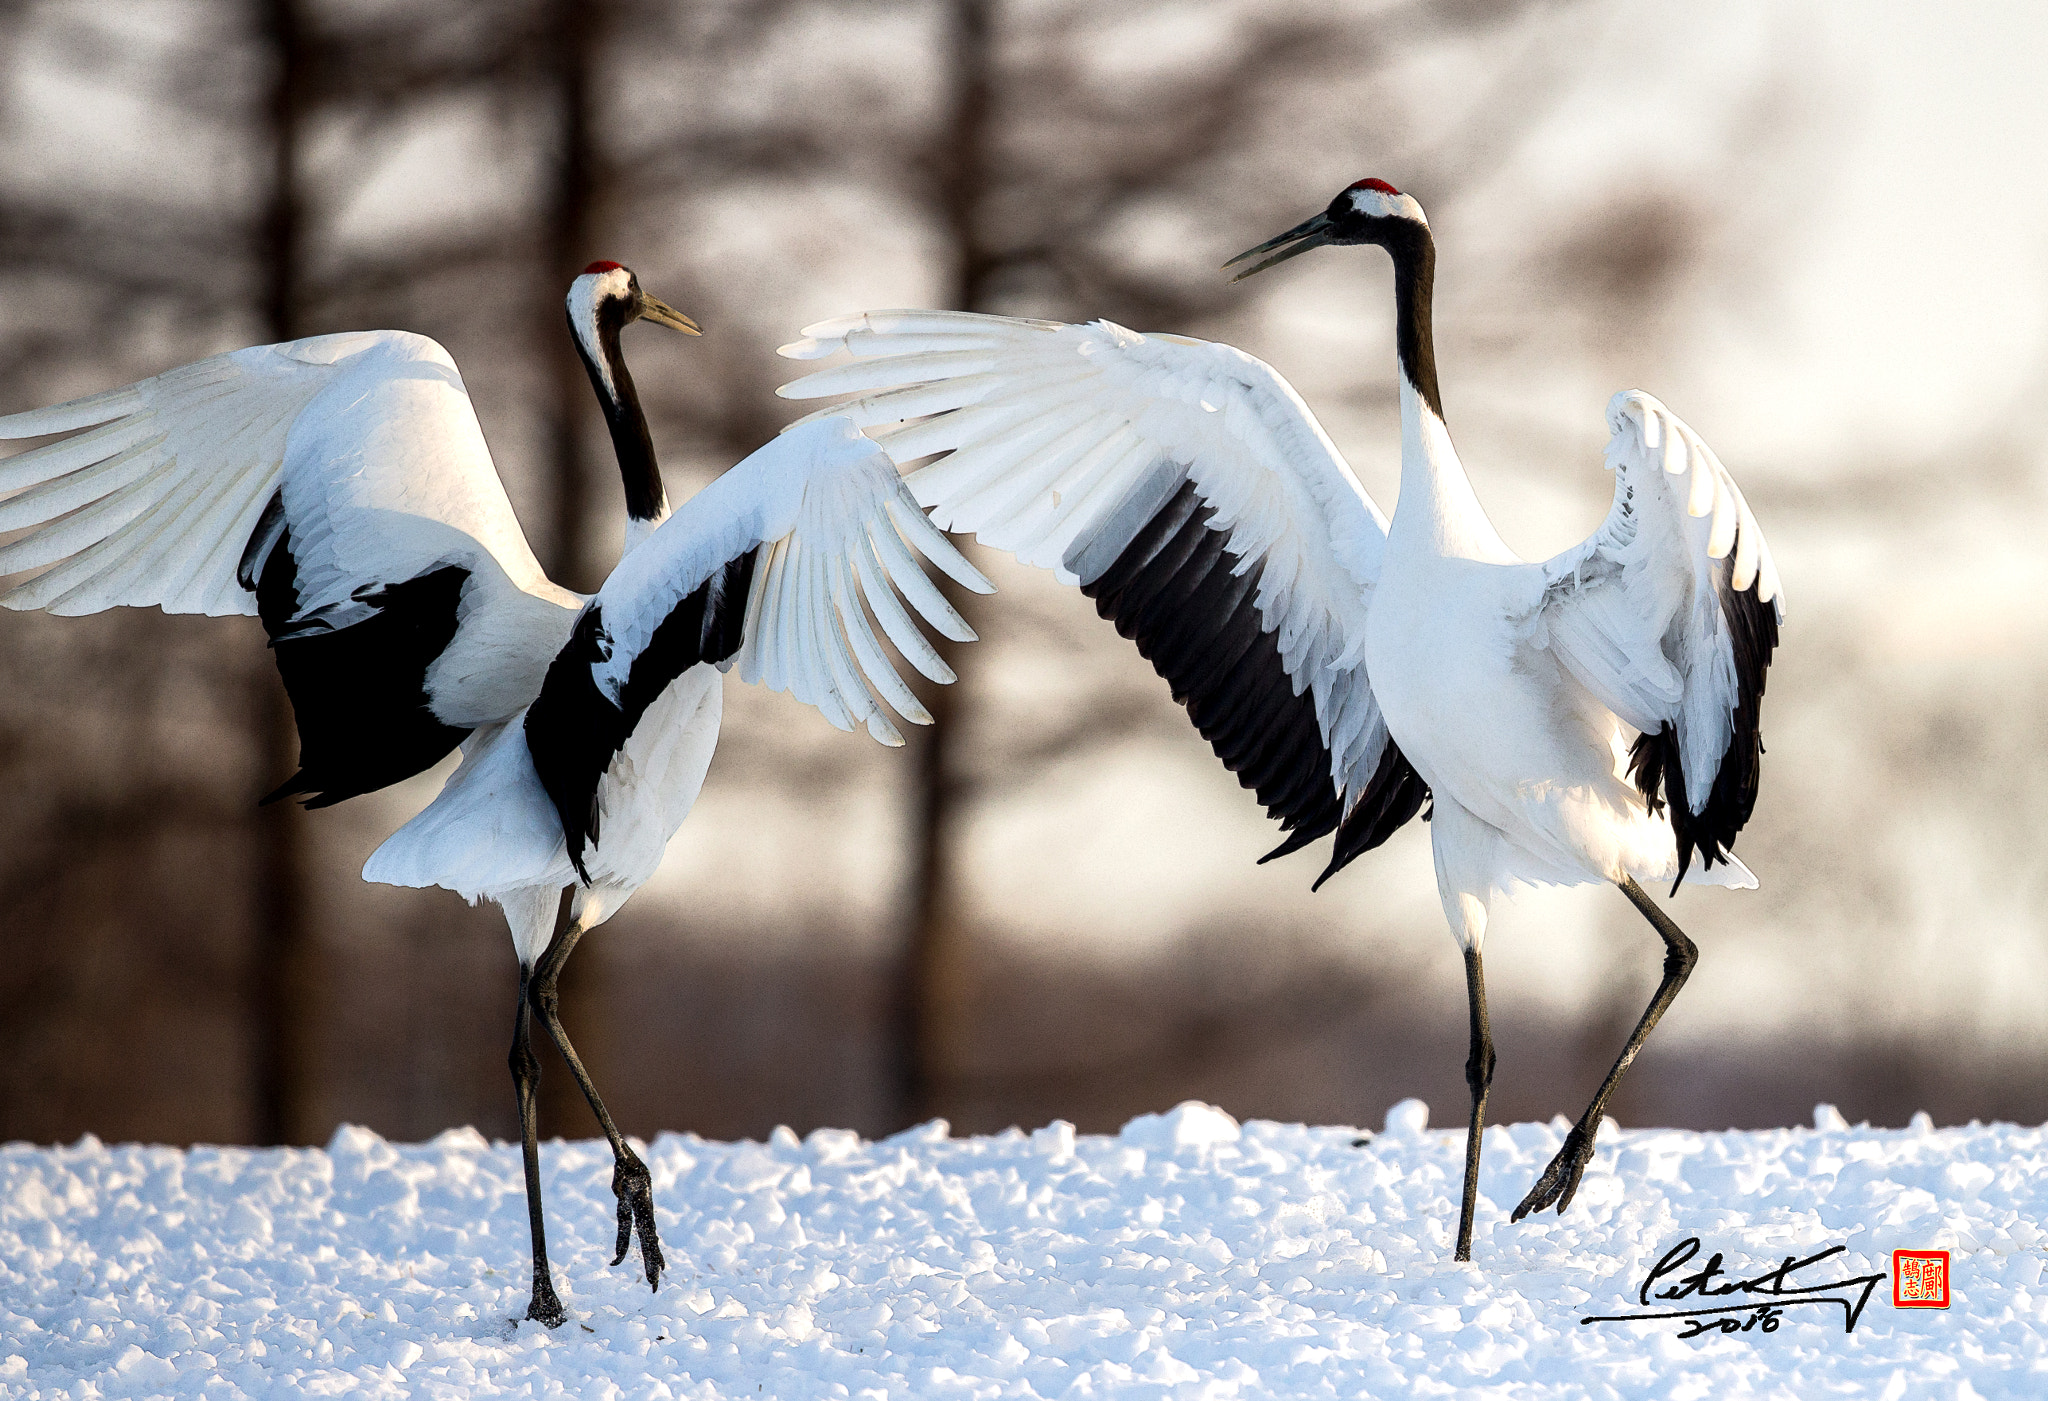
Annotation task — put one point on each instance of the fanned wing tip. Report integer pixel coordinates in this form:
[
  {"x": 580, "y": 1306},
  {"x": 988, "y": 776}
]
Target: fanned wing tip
[
  {"x": 808, "y": 348},
  {"x": 932, "y": 543},
  {"x": 1297, "y": 839},
  {"x": 1394, "y": 794},
  {"x": 825, "y": 338},
  {"x": 859, "y": 333},
  {"x": 1711, "y": 490},
  {"x": 846, "y": 436},
  {"x": 1769, "y": 590},
  {"x": 76, "y": 413},
  {"x": 881, "y": 677},
  {"x": 815, "y": 639},
  {"x": 814, "y": 416},
  {"x": 889, "y": 611},
  {"x": 1647, "y": 416},
  {"x": 834, "y": 328}
]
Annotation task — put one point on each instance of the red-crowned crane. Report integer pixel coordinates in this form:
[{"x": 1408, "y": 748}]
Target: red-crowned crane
[
  {"x": 339, "y": 487},
  {"x": 1591, "y": 717}
]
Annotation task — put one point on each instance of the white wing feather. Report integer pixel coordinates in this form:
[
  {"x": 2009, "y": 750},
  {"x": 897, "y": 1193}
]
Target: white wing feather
[
  {"x": 830, "y": 518},
  {"x": 371, "y": 434},
  {"x": 1049, "y": 429},
  {"x": 1635, "y": 611},
  {"x": 172, "y": 468}
]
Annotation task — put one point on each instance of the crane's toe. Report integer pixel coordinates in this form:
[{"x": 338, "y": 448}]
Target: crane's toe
[
  {"x": 1560, "y": 1181},
  {"x": 634, "y": 1187}
]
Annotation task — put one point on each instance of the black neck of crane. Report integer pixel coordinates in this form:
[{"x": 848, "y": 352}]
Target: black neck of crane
[
  {"x": 632, "y": 443},
  {"x": 1414, "y": 255}
]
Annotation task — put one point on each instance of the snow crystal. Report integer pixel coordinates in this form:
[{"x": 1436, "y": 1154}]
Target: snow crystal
[
  {"x": 1188, "y": 1125},
  {"x": 1407, "y": 1121},
  {"x": 1188, "y": 1256}
]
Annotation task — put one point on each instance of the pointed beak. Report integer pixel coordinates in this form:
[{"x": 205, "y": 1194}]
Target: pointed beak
[
  {"x": 1312, "y": 233},
  {"x": 654, "y": 309}
]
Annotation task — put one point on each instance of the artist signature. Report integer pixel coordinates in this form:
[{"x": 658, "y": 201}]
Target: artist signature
[{"x": 1769, "y": 1295}]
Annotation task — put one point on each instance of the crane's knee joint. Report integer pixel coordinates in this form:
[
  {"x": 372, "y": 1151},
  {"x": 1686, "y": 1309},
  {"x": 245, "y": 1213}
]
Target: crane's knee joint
[
  {"x": 1479, "y": 1070},
  {"x": 525, "y": 1068},
  {"x": 1680, "y": 958}
]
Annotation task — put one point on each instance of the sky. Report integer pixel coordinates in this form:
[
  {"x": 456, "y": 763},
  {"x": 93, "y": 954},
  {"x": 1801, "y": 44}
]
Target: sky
[
  {"x": 1917, "y": 268},
  {"x": 1939, "y": 199}
]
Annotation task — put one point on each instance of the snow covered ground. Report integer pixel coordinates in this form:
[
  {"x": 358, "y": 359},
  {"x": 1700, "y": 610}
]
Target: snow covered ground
[{"x": 1184, "y": 1257}]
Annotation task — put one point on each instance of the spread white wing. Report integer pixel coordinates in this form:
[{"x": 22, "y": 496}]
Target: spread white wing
[
  {"x": 768, "y": 567},
  {"x": 1188, "y": 490},
  {"x": 157, "y": 503},
  {"x": 1669, "y": 614},
  {"x": 340, "y": 487}
]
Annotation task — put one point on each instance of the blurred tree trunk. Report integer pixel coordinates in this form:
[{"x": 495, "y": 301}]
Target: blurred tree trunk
[
  {"x": 569, "y": 44},
  {"x": 570, "y": 38},
  {"x": 284, "y": 979},
  {"x": 931, "y": 987}
]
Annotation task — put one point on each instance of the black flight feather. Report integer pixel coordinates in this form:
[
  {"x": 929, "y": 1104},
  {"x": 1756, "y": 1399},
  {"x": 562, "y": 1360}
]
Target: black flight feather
[
  {"x": 358, "y": 691},
  {"x": 1176, "y": 591}
]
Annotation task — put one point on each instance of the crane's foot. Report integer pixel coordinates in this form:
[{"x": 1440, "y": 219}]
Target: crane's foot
[
  {"x": 1560, "y": 1181},
  {"x": 634, "y": 1188},
  {"x": 546, "y": 1309}
]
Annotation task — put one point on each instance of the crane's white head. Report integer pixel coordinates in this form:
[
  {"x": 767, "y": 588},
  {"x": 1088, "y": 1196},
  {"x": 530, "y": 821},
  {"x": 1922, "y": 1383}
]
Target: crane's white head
[
  {"x": 1367, "y": 211},
  {"x": 605, "y": 298}
]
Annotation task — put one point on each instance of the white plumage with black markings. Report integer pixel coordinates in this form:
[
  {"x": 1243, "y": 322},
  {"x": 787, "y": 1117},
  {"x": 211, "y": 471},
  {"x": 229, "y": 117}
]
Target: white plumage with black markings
[
  {"x": 1064, "y": 444},
  {"x": 1589, "y": 718},
  {"x": 339, "y": 487},
  {"x": 344, "y": 466},
  {"x": 768, "y": 567}
]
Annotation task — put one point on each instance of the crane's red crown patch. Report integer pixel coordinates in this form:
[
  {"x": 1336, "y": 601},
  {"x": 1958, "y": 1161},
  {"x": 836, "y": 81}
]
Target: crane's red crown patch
[
  {"x": 604, "y": 265},
  {"x": 1371, "y": 184}
]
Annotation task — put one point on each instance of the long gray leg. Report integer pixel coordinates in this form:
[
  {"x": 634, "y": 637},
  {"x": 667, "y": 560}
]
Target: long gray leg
[
  {"x": 1560, "y": 1181},
  {"x": 631, "y": 1182},
  {"x": 1478, "y": 1076},
  {"x": 544, "y": 1308}
]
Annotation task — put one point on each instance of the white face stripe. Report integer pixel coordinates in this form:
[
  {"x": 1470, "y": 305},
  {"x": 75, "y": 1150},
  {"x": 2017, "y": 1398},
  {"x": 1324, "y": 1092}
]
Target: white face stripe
[
  {"x": 584, "y": 295},
  {"x": 1381, "y": 205}
]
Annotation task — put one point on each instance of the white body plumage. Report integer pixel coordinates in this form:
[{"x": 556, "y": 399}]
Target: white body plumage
[{"x": 1526, "y": 760}]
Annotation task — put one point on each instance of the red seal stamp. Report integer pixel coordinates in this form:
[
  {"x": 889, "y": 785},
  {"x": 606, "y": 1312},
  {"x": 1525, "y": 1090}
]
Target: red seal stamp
[{"x": 1920, "y": 1279}]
